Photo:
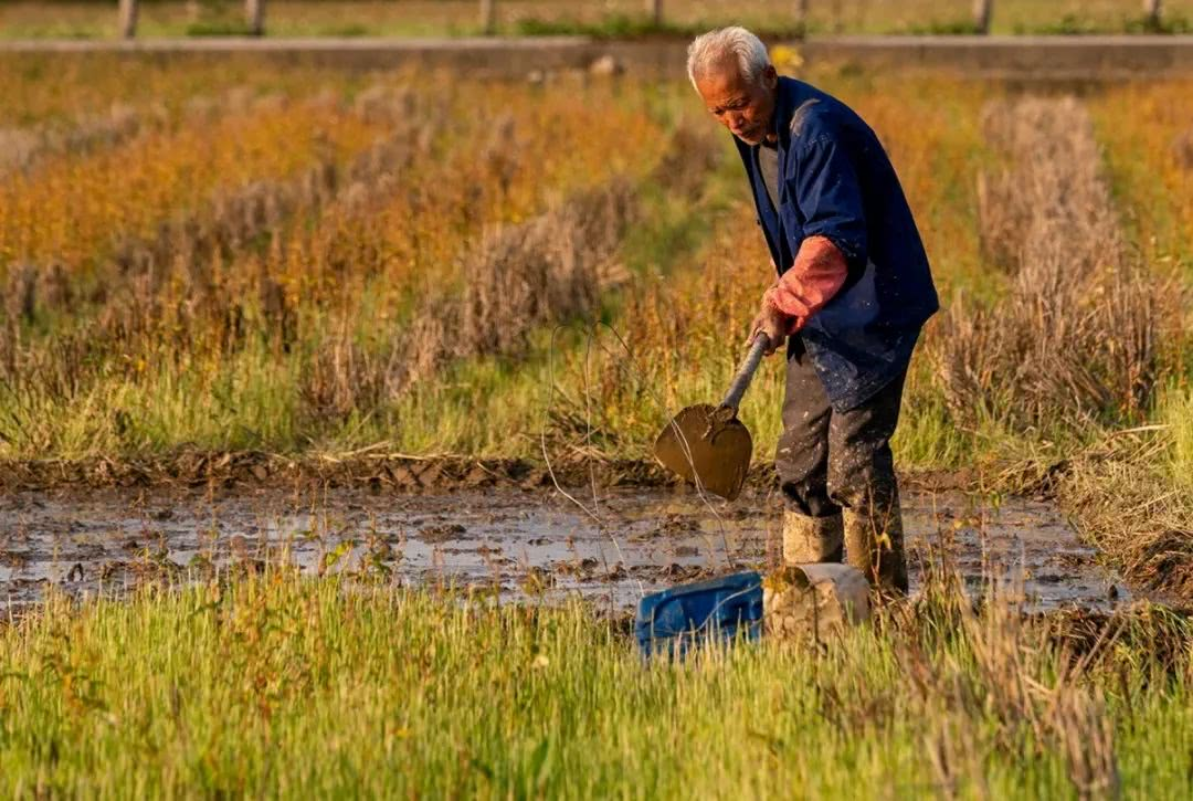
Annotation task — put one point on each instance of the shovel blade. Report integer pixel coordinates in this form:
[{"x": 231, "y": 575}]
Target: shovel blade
[{"x": 707, "y": 448}]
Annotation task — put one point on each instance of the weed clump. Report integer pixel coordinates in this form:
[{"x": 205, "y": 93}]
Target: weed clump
[{"x": 547, "y": 270}]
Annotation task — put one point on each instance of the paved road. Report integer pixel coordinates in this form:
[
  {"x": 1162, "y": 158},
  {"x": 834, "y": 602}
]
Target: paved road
[{"x": 1049, "y": 57}]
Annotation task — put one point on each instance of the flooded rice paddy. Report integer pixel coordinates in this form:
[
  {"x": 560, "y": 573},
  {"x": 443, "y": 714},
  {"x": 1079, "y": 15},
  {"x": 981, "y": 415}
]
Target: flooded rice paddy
[{"x": 610, "y": 548}]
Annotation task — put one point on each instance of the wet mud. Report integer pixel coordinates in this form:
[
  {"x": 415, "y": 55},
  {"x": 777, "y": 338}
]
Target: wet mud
[{"x": 611, "y": 546}]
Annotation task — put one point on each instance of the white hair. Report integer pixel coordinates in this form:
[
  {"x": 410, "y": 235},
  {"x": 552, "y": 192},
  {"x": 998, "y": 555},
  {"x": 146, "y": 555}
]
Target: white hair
[{"x": 710, "y": 48}]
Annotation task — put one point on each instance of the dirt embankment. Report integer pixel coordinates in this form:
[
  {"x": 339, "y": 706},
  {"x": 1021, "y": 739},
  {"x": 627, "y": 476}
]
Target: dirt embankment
[
  {"x": 395, "y": 473},
  {"x": 391, "y": 473}
]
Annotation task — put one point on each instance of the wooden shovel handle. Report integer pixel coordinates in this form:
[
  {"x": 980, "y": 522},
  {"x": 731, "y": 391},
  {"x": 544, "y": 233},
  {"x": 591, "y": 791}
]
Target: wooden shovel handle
[{"x": 745, "y": 373}]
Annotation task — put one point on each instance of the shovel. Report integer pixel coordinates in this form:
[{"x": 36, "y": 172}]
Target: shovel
[{"x": 708, "y": 445}]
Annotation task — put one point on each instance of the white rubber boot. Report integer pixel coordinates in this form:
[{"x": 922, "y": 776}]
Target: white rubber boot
[
  {"x": 814, "y": 601},
  {"x": 808, "y": 540},
  {"x": 874, "y": 541}
]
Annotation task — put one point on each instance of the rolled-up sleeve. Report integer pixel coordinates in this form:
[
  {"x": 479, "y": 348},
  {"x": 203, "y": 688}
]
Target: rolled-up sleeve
[{"x": 829, "y": 196}]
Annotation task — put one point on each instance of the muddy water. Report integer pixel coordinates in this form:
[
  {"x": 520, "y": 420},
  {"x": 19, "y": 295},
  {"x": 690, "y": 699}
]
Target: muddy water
[{"x": 514, "y": 544}]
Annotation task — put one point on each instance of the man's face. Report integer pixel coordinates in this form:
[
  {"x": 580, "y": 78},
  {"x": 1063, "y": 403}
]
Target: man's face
[{"x": 744, "y": 108}]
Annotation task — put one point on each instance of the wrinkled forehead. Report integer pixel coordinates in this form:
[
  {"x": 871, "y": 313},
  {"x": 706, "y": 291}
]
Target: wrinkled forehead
[{"x": 722, "y": 80}]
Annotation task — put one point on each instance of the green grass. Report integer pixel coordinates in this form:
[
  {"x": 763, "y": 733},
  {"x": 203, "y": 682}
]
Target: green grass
[
  {"x": 1077, "y": 25},
  {"x": 247, "y": 402},
  {"x": 614, "y": 26},
  {"x": 1175, "y": 411},
  {"x": 285, "y": 686}
]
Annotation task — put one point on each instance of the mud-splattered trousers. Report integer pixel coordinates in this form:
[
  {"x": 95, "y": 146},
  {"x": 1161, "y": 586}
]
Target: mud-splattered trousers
[{"x": 831, "y": 462}]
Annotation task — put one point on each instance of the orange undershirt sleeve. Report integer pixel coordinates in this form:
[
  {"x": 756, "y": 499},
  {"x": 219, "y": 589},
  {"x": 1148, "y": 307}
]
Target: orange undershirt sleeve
[{"x": 818, "y": 273}]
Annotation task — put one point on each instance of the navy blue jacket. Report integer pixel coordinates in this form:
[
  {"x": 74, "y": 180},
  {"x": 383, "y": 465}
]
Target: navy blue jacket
[{"x": 836, "y": 182}]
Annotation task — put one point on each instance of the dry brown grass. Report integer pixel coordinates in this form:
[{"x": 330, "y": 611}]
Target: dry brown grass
[
  {"x": 21, "y": 148},
  {"x": 547, "y": 270},
  {"x": 1182, "y": 150},
  {"x": 555, "y": 268},
  {"x": 20, "y": 295},
  {"x": 692, "y": 153},
  {"x": 1044, "y": 685},
  {"x": 317, "y": 275},
  {"x": 343, "y": 377},
  {"x": 1126, "y": 503},
  {"x": 192, "y": 247},
  {"x": 174, "y": 285},
  {"x": 1076, "y": 339},
  {"x": 1009, "y": 680}
]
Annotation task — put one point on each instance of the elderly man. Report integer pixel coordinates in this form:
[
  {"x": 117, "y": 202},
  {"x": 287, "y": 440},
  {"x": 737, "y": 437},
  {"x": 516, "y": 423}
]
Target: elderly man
[{"x": 853, "y": 290}]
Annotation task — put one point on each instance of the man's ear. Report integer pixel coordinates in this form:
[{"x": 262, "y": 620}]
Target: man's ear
[{"x": 770, "y": 78}]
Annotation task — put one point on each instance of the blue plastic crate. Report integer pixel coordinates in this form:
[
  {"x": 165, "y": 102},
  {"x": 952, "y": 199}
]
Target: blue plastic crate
[{"x": 676, "y": 619}]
